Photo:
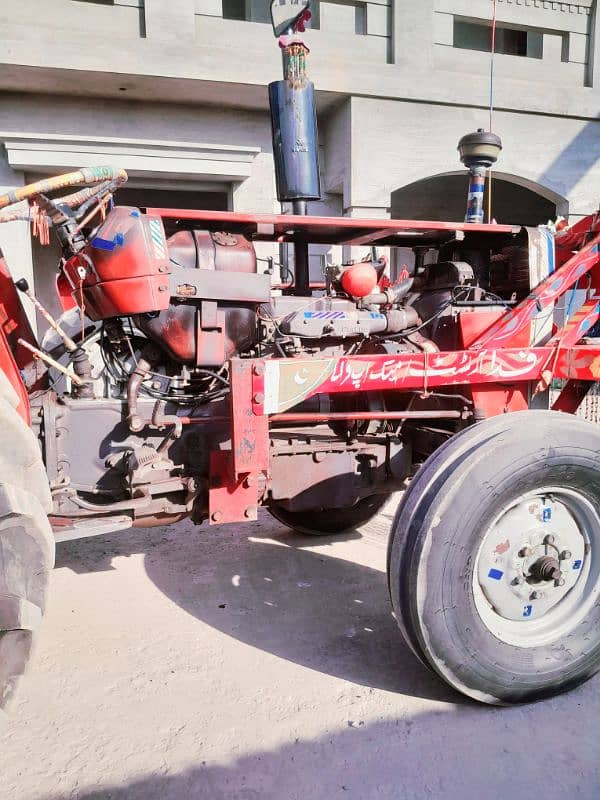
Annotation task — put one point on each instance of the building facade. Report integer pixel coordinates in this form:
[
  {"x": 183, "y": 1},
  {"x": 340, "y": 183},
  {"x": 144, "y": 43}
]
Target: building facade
[{"x": 174, "y": 91}]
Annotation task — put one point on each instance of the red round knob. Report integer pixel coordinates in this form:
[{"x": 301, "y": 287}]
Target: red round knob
[{"x": 359, "y": 280}]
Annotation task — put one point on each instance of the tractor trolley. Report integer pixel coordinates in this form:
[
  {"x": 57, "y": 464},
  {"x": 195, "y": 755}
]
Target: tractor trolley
[{"x": 181, "y": 381}]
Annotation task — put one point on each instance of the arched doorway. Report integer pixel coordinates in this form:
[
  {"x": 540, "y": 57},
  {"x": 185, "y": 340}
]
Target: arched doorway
[{"x": 515, "y": 200}]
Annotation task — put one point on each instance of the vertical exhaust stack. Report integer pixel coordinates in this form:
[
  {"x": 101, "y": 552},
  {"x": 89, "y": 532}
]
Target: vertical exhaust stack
[
  {"x": 293, "y": 111},
  {"x": 478, "y": 151},
  {"x": 294, "y": 124}
]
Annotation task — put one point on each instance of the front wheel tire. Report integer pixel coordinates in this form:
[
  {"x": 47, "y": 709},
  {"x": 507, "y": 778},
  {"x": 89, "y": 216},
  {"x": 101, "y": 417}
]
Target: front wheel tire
[{"x": 494, "y": 558}]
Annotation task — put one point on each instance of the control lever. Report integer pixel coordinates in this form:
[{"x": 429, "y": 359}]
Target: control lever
[
  {"x": 23, "y": 286},
  {"x": 79, "y": 357}
]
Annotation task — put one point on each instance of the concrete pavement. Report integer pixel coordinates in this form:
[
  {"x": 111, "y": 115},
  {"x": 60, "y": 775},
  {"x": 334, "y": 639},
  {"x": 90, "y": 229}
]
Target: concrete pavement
[{"x": 248, "y": 663}]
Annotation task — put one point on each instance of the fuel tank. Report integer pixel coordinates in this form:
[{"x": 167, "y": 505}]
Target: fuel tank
[
  {"x": 196, "y": 294},
  {"x": 215, "y": 295}
]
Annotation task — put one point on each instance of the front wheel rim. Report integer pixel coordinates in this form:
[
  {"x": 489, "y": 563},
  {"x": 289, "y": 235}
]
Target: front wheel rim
[{"x": 536, "y": 574}]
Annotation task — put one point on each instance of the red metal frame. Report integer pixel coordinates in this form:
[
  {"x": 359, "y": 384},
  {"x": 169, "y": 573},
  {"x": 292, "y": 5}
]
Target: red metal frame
[
  {"x": 328, "y": 230},
  {"x": 497, "y": 365},
  {"x": 14, "y": 325}
]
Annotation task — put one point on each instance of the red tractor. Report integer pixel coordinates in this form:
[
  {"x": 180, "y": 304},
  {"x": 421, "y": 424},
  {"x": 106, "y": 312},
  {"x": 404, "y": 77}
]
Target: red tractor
[{"x": 180, "y": 382}]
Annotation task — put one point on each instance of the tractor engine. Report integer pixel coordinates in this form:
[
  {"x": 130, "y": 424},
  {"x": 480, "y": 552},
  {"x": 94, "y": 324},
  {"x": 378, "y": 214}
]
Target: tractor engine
[
  {"x": 199, "y": 297},
  {"x": 164, "y": 316}
]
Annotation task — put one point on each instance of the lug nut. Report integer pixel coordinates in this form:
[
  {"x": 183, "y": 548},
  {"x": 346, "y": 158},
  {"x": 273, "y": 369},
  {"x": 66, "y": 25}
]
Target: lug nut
[
  {"x": 536, "y": 595},
  {"x": 566, "y": 554},
  {"x": 524, "y": 552},
  {"x": 518, "y": 581},
  {"x": 560, "y": 582},
  {"x": 549, "y": 539},
  {"x": 249, "y": 512}
]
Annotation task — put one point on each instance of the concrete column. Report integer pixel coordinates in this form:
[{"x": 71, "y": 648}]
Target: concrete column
[
  {"x": 256, "y": 195},
  {"x": 15, "y": 237},
  {"x": 170, "y": 20},
  {"x": 412, "y": 33},
  {"x": 593, "y": 78}
]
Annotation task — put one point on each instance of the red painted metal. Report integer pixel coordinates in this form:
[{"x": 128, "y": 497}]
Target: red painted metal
[
  {"x": 124, "y": 269},
  {"x": 64, "y": 292},
  {"x": 332, "y": 230},
  {"x": 299, "y": 379},
  {"x": 230, "y": 499},
  {"x": 580, "y": 362},
  {"x": 364, "y": 415},
  {"x": 14, "y": 325},
  {"x": 498, "y": 398},
  {"x": 9, "y": 367},
  {"x": 13, "y": 318},
  {"x": 249, "y": 432}
]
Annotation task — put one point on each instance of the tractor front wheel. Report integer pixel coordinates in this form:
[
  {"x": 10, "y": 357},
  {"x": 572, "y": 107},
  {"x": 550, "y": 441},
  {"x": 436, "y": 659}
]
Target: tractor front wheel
[
  {"x": 26, "y": 542},
  {"x": 494, "y": 558}
]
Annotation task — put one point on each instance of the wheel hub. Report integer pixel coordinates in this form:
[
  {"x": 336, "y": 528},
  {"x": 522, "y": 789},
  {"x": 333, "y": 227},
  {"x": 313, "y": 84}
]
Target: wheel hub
[
  {"x": 546, "y": 568},
  {"x": 531, "y": 558}
]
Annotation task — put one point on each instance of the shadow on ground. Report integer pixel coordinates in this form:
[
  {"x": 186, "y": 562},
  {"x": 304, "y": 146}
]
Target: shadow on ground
[
  {"x": 261, "y": 584},
  {"x": 264, "y": 586},
  {"x": 474, "y": 752}
]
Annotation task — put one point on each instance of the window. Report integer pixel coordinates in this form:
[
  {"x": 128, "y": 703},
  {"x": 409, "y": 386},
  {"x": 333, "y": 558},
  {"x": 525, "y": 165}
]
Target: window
[
  {"x": 234, "y": 9},
  {"x": 249, "y": 10},
  {"x": 510, "y": 41},
  {"x": 340, "y": 16}
]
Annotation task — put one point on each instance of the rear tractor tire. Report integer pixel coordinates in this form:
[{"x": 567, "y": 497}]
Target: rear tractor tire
[
  {"x": 329, "y": 521},
  {"x": 26, "y": 542},
  {"x": 494, "y": 558}
]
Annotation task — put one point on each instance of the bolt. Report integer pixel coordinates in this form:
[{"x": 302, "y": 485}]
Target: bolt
[
  {"x": 250, "y": 512},
  {"x": 258, "y": 369},
  {"x": 156, "y": 384},
  {"x": 518, "y": 580},
  {"x": 566, "y": 554},
  {"x": 524, "y": 552},
  {"x": 549, "y": 539},
  {"x": 319, "y": 456},
  {"x": 259, "y": 398},
  {"x": 162, "y": 288},
  {"x": 536, "y": 595},
  {"x": 251, "y": 480},
  {"x": 560, "y": 582},
  {"x": 216, "y": 516}
]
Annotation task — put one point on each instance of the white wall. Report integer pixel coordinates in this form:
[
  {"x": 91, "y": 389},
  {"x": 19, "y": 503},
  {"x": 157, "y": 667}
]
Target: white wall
[{"x": 395, "y": 143}]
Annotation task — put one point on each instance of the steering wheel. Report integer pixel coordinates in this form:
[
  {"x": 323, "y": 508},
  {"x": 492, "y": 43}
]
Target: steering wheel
[{"x": 104, "y": 179}]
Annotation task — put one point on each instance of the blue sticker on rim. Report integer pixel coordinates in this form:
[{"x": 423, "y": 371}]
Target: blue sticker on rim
[
  {"x": 577, "y": 564},
  {"x": 527, "y": 611},
  {"x": 495, "y": 574},
  {"x": 546, "y": 515}
]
